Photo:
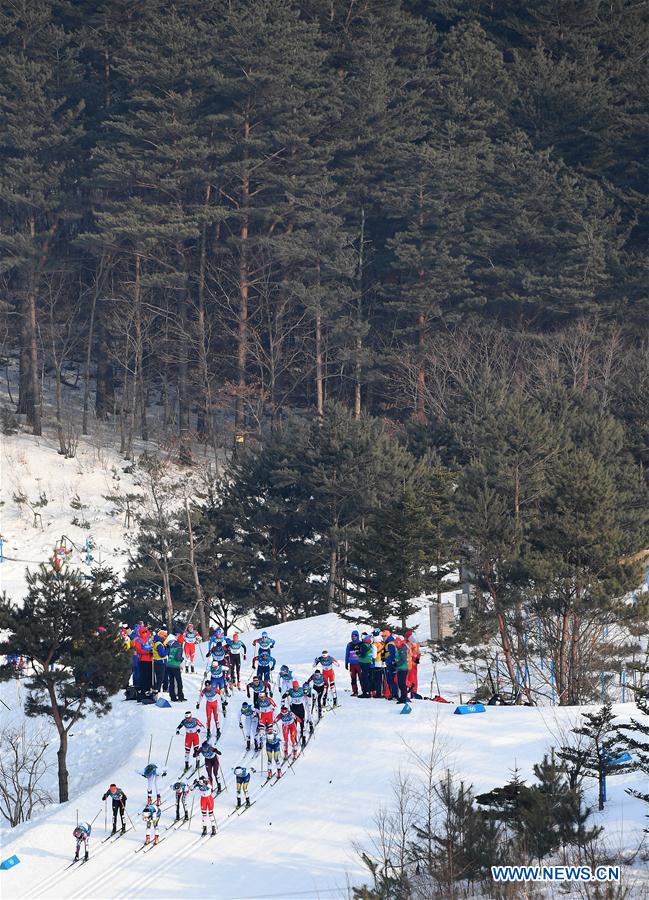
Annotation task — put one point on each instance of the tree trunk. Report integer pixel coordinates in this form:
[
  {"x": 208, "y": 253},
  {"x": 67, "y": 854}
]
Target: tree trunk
[
  {"x": 183, "y": 369},
  {"x": 319, "y": 386},
  {"x": 331, "y": 587},
  {"x": 167, "y": 592},
  {"x": 104, "y": 372},
  {"x": 203, "y": 419},
  {"x": 29, "y": 386},
  {"x": 138, "y": 386},
  {"x": 61, "y": 755},
  {"x": 358, "y": 344},
  {"x": 244, "y": 295},
  {"x": 200, "y": 596}
]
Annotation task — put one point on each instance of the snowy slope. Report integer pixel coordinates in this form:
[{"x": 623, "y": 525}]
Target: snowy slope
[{"x": 298, "y": 839}]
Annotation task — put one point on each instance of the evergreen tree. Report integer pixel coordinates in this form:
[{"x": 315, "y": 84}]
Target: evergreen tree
[
  {"x": 634, "y": 737},
  {"x": 67, "y": 630},
  {"x": 598, "y": 741}
]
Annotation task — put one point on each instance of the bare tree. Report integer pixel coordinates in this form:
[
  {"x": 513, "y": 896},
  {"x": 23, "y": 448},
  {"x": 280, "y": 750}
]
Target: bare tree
[{"x": 23, "y": 766}]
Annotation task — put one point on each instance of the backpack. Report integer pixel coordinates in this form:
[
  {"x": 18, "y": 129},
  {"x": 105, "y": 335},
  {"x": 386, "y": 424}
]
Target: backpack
[{"x": 130, "y": 693}]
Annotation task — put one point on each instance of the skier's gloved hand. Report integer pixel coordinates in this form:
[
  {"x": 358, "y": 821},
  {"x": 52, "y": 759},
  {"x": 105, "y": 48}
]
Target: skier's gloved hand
[
  {"x": 241, "y": 725},
  {"x": 177, "y": 732},
  {"x": 346, "y": 666}
]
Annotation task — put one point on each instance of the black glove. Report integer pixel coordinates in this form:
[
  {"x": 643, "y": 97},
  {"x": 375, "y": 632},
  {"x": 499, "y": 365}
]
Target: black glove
[
  {"x": 347, "y": 666},
  {"x": 178, "y": 732}
]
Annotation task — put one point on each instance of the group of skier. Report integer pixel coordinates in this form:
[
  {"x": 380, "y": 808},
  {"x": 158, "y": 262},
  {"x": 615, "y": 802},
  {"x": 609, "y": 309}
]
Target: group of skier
[{"x": 383, "y": 665}]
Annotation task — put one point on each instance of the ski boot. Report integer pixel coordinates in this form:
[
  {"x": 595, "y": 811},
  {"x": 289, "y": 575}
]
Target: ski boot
[
  {"x": 186, "y": 670},
  {"x": 156, "y": 839},
  {"x": 248, "y": 744},
  {"x": 335, "y": 703},
  {"x": 186, "y": 816},
  {"x": 147, "y": 839},
  {"x": 186, "y": 769},
  {"x": 208, "y": 735},
  {"x": 303, "y": 741},
  {"x": 247, "y": 801},
  {"x": 204, "y": 831},
  {"x": 213, "y": 829},
  {"x": 157, "y": 800},
  {"x": 193, "y": 670},
  {"x": 123, "y": 827},
  {"x": 177, "y": 815},
  {"x": 218, "y": 734},
  {"x": 270, "y": 774},
  {"x": 86, "y": 857},
  {"x": 310, "y": 727},
  {"x": 238, "y": 685},
  {"x": 238, "y": 802},
  {"x": 114, "y": 828},
  {"x": 279, "y": 774},
  {"x": 148, "y": 799},
  {"x": 76, "y": 857},
  {"x": 294, "y": 754}
]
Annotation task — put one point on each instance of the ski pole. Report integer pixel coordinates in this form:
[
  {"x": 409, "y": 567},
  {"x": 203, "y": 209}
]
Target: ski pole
[
  {"x": 95, "y": 819},
  {"x": 130, "y": 820},
  {"x": 148, "y": 759},
  {"x": 191, "y": 813},
  {"x": 105, "y": 815},
  {"x": 168, "y": 751}
]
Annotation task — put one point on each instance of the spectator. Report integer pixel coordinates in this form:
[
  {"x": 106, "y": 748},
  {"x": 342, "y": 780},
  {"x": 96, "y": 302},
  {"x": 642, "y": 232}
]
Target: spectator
[{"x": 351, "y": 661}]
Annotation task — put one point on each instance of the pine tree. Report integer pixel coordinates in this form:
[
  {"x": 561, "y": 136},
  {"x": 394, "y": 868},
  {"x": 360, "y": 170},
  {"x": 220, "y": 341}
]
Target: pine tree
[
  {"x": 598, "y": 740},
  {"x": 67, "y": 630},
  {"x": 634, "y": 737}
]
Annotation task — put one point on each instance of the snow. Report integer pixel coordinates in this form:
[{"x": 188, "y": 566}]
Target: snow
[{"x": 300, "y": 838}]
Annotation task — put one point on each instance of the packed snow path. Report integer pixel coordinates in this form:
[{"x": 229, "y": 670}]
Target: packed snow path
[{"x": 297, "y": 840}]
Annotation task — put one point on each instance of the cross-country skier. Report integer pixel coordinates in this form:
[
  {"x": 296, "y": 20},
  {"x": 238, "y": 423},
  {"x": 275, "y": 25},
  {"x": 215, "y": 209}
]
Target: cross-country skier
[
  {"x": 242, "y": 774},
  {"x": 182, "y": 789},
  {"x": 351, "y": 661},
  {"x": 213, "y": 707},
  {"x": 273, "y": 750},
  {"x": 191, "y": 638},
  {"x": 249, "y": 724},
  {"x": 265, "y": 706},
  {"x": 118, "y": 798},
  {"x": 150, "y": 772},
  {"x": 284, "y": 680},
  {"x": 218, "y": 673},
  {"x": 265, "y": 664},
  {"x": 237, "y": 650},
  {"x": 327, "y": 662},
  {"x": 309, "y": 700},
  {"x": 82, "y": 835},
  {"x": 257, "y": 686},
  {"x": 297, "y": 703},
  {"x": 217, "y": 638},
  {"x": 204, "y": 789},
  {"x": 192, "y": 728},
  {"x": 319, "y": 685},
  {"x": 151, "y": 816},
  {"x": 211, "y": 756},
  {"x": 288, "y": 721},
  {"x": 264, "y": 642}
]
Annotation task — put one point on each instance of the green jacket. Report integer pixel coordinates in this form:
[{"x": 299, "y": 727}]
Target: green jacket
[
  {"x": 401, "y": 659},
  {"x": 365, "y": 654},
  {"x": 175, "y": 657}
]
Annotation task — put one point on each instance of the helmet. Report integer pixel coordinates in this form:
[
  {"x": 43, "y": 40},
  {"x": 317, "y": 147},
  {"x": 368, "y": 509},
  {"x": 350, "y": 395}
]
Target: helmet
[
  {"x": 354, "y": 633},
  {"x": 149, "y": 769},
  {"x": 245, "y": 705},
  {"x": 264, "y": 634},
  {"x": 295, "y": 684}
]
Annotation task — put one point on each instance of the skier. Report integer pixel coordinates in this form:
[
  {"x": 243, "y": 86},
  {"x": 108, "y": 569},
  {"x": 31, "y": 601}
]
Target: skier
[
  {"x": 204, "y": 789},
  {"x": 191, "y": 638},
  {"x": 297, "y": 703},
  {"x": 213, "y": 707},
  {"x": 265, "y": 707},
  {"x": 237, "y": 649},
  {"x": 150, "y": 772},
  {"x": 82, "y": 834},
  {"x": 273, "y": 749},
  {"x": 284, "y": 680},
  {"x": 265, "y": 664},
  {"x": 351, "y": 661},
  {"x": 182, "y": 789},
  {"x": 151, "y": 816},
  {"x": 243, "y": 780},
  {"x": 118, "y": 798},
  {"x": 257, "y": 686},
  {"x": 218, "y": 673},
  {"x": 217, "y": 638},
  {"x": 192, "y": 728},
  {"x": 264, "y": 642},
  {"x": 211, "y": 756},
  {"x": 289, "y": 729},
  {"x": 328, "y": 662},
  {"x": 308, "y": 704},
  {"x": 174, "y": 665},
  {"x": 318, "y": 683},
  {"x": 415, "y": 658},
  {"x": 249, "y": 724}
]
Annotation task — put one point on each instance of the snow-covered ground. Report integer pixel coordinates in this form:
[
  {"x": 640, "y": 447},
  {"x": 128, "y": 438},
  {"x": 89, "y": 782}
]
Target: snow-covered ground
[{"x": 300, "y": 838}]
